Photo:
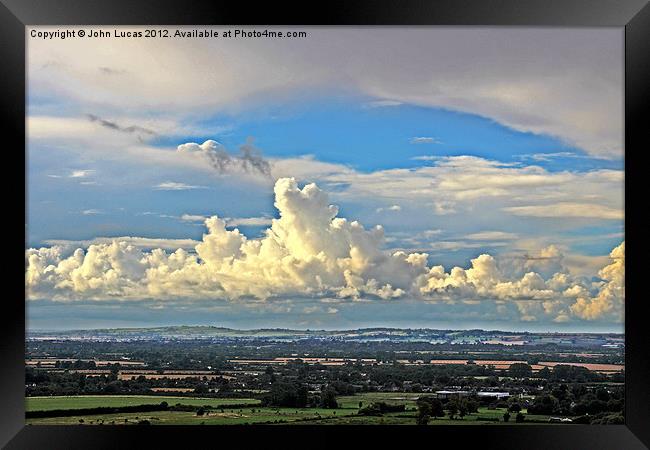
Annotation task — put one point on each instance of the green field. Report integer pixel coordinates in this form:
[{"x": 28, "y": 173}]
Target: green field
[
  {"x": 345, "y": 415},
  {"x": 228, "y": 417},
  {"x": 308, "y": 416},
  {"x": 94, "y": 401},
  {"x": 392, "y": 398}
]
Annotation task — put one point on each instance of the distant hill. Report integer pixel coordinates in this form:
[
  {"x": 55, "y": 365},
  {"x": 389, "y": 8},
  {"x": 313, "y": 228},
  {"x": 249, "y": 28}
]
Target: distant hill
[{"x": 197, "y": 332}]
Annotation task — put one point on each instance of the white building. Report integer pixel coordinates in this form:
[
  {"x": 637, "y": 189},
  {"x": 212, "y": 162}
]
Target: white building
[{"x": 493, "y": 394}]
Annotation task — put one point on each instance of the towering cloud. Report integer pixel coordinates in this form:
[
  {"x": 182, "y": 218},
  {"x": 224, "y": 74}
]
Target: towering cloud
[
  {"x": 611, "y": 293},
  {"x": 309, "y": 251}
]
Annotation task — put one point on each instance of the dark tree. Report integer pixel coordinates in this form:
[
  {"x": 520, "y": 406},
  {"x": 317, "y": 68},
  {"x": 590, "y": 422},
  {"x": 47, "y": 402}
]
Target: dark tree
[
  {"x": 434, "y": 405},
  {"x": 452, "y": 409},
  {"x": 472, "y": 406},
  {"x": 293, "y": 395},
  {"x": 462, "y": 409},
  {"x": 520, "y": 370},
  {"x": 328, "y": 398},
  {"x": 515, "y": 407},
  {"x": 544, "y": 404}
]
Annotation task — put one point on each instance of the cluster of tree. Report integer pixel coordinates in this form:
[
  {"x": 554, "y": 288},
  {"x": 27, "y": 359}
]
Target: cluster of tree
[
  {"x": 431, "y": 407},
  {"x": 428, "y": 407},
  {"x": 296, "y": 395},
  {"x": 577, "y": 400},
  {"x": 520, "y": 417},
  {"x": 461, "y": 407},
  {"x": 76, "y": 364},
  {"x": 204, "y": 408},
  {"x": 44, "y": 383},
  {"x": 163, "y": 406},
  {"x": 341, "y": 387},
  {"x": 287, "y": 394},
  {"x": 380, "y": 408},
  {"x": 520, "y": 370}
]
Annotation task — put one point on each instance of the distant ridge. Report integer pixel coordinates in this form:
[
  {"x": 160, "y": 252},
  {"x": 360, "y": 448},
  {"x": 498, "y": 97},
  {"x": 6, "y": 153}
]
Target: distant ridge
[{"x": 211, "y": 330}]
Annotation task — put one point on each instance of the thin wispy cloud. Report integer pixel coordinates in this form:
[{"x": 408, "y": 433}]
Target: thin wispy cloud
[
  {"x": 81, "y": 173},
  {"x": 176, "y": 186},
  {"x": 568, "y": 209},
  {"x": 546, "y": 157},
  {"x": 192, "y": 218},
  {"x": 550, "y": 156},
  {"x": 92, "y": 212},
  {"x": 427, "y": 158},
  {"x": 230, "y": 221},
  {"x": 393, "y": 208},
  {"x": 110, "y": 71},
  {"x": 382, "y": 103},
  {"x": 425, "y": 140},
  {"x": 491, "y": 235},
  {"x": 139, "y": 131},
  {"x": 76, "y": 174},
  {"x": 248, "y": 221}
]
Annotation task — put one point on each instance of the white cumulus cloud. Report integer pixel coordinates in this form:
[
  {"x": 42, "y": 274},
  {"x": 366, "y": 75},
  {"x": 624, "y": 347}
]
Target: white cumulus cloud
[
  {"x": 309, "y": 251},
  {"x": 611, "y": 293}
]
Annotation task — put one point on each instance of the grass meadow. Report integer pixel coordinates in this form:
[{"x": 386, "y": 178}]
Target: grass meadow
[{"x": 345, "y": 415}]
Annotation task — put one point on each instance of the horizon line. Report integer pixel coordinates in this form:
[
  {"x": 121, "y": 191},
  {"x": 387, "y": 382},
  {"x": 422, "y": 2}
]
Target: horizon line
[{"x": 45, "y": 330}]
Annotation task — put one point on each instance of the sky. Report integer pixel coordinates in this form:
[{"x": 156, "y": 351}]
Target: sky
[{"x": 375, "y": 176}]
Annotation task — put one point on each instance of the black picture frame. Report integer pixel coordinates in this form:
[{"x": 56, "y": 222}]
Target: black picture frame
[{"x": 632, "y": 15}]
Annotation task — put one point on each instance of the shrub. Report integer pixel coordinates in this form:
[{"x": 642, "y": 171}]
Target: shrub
[
  {"x": 515, "y": 407},
  {"x": 487, "y": 419},
  {"x": 380, "y": 408}
]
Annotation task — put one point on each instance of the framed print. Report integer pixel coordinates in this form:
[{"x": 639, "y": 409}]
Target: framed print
[{"x": 356, "y": 221}]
